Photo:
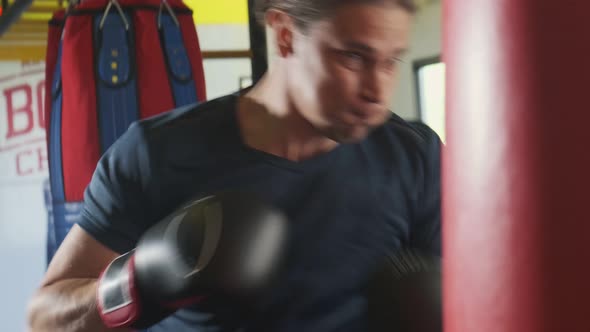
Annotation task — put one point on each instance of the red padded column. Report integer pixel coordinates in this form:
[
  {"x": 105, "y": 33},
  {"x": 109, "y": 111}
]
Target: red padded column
[{"x": 516, "y": 170}]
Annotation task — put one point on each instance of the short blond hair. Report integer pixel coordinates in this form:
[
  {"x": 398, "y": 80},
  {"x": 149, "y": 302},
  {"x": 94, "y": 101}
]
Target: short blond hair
[{"x": 305, "y": 12}]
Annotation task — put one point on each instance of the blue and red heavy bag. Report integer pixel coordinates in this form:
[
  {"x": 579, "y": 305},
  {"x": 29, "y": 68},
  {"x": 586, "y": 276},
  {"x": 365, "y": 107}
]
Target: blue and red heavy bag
[
  {"x": 52, "y": 95},
  {"x": 116, "y": 62}
]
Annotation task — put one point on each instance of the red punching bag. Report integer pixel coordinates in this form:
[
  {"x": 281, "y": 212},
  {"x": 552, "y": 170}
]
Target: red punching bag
[
  {"x": 516, "y": 170},
  {"x": 111, "y": 63}
]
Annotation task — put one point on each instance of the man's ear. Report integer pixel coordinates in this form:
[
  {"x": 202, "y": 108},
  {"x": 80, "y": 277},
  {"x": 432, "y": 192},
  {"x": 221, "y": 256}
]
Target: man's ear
[{"x": 283, "y": 28}]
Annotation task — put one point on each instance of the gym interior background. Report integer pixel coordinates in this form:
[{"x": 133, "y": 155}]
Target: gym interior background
[{"x": 232, "y": 59}]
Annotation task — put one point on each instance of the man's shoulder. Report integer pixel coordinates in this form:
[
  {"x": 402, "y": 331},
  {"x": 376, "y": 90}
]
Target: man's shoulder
[
  {"x": 189, "y": 134},
  {"x": 410, "y": 135},
  {"x": 191, "y": 116},
  {"x": 415, "y": 131}
]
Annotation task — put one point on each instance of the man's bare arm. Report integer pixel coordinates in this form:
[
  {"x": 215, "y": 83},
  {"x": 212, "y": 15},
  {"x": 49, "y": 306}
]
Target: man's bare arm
[{"x": 66, "y": 299}]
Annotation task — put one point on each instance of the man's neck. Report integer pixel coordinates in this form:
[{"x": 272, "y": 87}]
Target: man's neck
[{"x": 269, "y": 122}]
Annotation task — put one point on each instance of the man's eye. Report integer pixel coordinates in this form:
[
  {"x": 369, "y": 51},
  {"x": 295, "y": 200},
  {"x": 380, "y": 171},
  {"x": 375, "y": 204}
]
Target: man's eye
[
  {"x": 352, "y": 55},
  {"x": 397, "y": 60},
  {"x": 352, "y": 60},
  {"x": 393, "y": 62}
]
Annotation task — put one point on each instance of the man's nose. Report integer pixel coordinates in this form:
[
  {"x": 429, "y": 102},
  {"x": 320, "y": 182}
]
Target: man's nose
[{"x": 374, "y": 87}]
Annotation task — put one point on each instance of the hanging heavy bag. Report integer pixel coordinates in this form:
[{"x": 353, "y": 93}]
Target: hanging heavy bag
[{"x": 115, "y": 62}]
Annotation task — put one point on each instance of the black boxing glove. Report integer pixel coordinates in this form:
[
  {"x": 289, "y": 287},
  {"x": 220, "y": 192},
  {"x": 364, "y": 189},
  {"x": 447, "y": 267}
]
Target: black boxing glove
[
  {"x": 404, "y": 294},
  {"x": 229, "y": 245}
]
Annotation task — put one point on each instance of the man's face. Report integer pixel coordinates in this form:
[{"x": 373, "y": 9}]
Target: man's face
[{"x": 343, "y": 70}]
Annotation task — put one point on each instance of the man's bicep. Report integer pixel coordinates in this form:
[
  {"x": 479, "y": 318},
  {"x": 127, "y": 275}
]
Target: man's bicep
[
  {"x": 116, "y": 200},
  {"x": 426, "y": 232},
  {"x": 79, "y": 256},
  {"x": 428, "y": 224},
  {"x": 431, "y": 241},
  {"x": 106, "y": 215}
]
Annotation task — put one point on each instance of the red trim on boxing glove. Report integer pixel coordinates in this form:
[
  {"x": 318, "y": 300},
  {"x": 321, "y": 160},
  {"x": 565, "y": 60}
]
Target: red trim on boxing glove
[{"x": 118, "y": 300}]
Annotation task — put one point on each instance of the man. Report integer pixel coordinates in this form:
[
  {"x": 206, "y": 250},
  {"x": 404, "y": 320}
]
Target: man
[{"x": 314, "y": 136}]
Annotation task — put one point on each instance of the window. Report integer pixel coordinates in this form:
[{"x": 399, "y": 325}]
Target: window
[{"x": 430, "y": 90}]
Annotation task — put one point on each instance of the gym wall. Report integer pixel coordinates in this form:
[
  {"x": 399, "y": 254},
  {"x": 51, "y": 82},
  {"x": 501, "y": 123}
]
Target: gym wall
[
  {"x": 425, "y": 43},
  {"x": 23, "y": 170}
]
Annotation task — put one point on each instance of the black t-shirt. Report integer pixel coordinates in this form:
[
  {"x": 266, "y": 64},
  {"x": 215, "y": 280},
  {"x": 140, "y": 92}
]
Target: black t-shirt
[{"x": 348, "y": 207}]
